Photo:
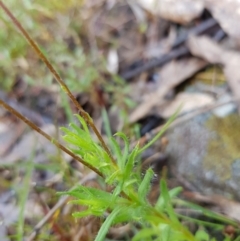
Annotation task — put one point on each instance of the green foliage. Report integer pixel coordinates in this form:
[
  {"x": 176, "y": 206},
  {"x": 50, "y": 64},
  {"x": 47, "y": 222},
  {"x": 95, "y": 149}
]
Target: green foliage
[
  {"x": 128, "y": 202},
  {"x": 23, "y": 195}
]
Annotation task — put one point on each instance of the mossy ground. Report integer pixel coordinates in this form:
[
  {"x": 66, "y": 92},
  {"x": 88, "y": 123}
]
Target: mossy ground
[{"x": 224, "y": 147}]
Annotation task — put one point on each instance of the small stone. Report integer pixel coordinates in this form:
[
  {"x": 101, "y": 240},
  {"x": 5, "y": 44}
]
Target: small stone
[{"x": 206, "y": 151}]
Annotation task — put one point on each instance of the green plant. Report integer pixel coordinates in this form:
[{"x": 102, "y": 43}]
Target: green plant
[
  {"x": 128, "y": 201},
  {"x": 23, "y": 194}
]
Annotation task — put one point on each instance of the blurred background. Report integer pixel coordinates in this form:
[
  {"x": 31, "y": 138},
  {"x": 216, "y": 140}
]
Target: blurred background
[{"x": 139, "y": 60}]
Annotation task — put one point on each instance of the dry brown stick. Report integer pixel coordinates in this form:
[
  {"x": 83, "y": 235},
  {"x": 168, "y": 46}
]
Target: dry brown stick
[
  {"x": 83, "y": 113},
  {"x": 54, "y": 141},
  {"x": 174, "y": 53},
  {"x": 58, "y": 205},
  {"x": 199, "y": 29}
]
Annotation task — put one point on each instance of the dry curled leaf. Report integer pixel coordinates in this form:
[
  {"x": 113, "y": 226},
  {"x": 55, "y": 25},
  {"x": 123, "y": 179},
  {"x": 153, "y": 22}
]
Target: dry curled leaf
[
  {"x": 172, "y": 74},
  {"x": 188, "y": 101},
  {"x": 182, "y": 11},
  {"x": 178, "y": 11},
  {"x": 213, "y": 52},
  {"x": 226, "y": 12}
]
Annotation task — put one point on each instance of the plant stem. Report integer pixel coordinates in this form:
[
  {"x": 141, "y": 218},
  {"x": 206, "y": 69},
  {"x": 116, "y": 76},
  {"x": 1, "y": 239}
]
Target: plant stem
[
  {"x": 54, "y": 141},
  {"x": 34, "y": 45}
]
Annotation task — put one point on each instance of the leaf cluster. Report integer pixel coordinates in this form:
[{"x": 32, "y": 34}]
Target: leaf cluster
[{"x": 128, "y": 201}]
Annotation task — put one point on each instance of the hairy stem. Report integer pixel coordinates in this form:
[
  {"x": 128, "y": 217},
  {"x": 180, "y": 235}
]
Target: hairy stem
[{"x": 83, "y": 113}]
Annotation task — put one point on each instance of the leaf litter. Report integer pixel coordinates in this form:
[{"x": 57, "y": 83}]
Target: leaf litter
[{"x": 129, "y": 35}]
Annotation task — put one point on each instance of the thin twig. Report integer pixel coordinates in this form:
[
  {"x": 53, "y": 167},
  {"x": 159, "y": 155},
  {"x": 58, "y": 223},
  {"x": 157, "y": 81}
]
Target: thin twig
[
  {"x": 58, "y": 205},
  {"x": 199, "y": 29},
  {"x": 174, "y": 53},
  {"x": 58, "y": 78},
  {"x": 54, "y": 141}
]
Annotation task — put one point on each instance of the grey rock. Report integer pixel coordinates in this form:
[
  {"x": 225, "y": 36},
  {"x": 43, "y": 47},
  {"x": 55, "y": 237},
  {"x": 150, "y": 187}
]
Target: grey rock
[{"x": 206, "y": 151}]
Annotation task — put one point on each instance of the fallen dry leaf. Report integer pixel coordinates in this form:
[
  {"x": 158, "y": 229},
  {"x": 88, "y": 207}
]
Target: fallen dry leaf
[
  {"x": 138, "y": 11},
  {"x": 205, "y": 48},
  {"x": 213, "y": 52},
  {"x": 188, "y": 101},
  {"x": 226, "y": 12},
  {"x": 182, "y": 11},
  {"x": 178, "y": 11},
  {"x": 171, "y": 75}
]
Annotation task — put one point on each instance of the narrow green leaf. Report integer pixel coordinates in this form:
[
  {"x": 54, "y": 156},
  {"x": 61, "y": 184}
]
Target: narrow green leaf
[
  {"x": 214, "y": 225},
  {"x": 128, "y": 214},
  {"x": 112, "y": 177},
  {"x": 145, "y": 185},
  {"x": 79, "y": 142},
  {"x": 117, "y": 191},
  {"x": 130, "y": 163},
  {"x": 117, "y": 150},
  {"x": 164, "y": 232},
  {"x": 218, "y": 217},
  {"x": 88, "y": 212},
  {"x": 105, "y": 157},
  {"x": 106, "y": 123},
  {"x": 145, "y": 234},
  {"x": 94, "y": 203},
  {"x": 173, "y": 193},
  {"x": 201, "y": 235},
  {"x": 82, "y": 214},
  {"x": 126, "y": 149},
  {"x": 84, "y": 124},
  {"x": 78, "y": 152},
  {"x": 79, "y": 131},
  {"x": 82, "y": 192},
  {"x": 107, "y": 224},
  {"x": 130, "y": 182},
  {"x": 66, "y": 131},
  {"x": 160, "y": 133},
  {"x": 167, "y": 202}
]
